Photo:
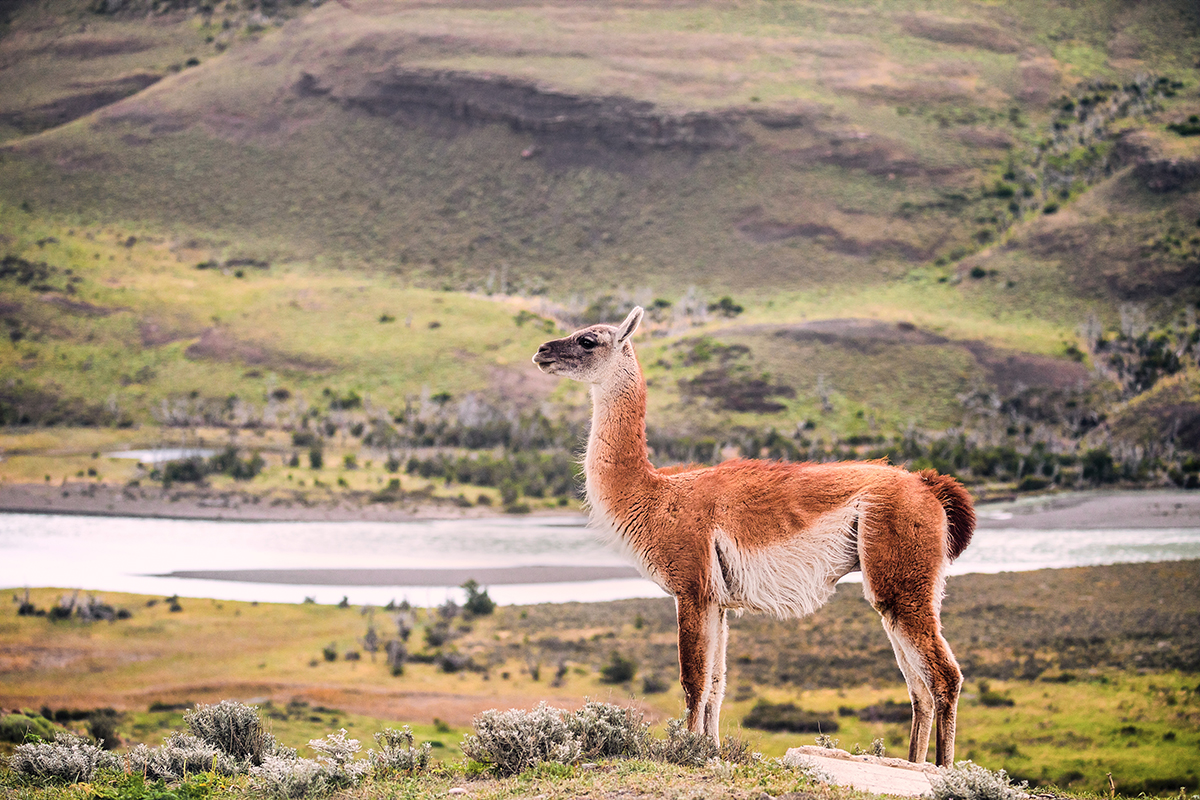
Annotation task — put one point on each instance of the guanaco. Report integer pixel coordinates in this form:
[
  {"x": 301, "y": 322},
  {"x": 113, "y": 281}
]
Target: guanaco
[{"x": 766, "y": 536}]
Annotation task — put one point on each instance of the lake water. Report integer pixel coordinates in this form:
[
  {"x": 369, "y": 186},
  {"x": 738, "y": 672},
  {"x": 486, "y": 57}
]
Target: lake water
[{"x": 133, "y": 555}]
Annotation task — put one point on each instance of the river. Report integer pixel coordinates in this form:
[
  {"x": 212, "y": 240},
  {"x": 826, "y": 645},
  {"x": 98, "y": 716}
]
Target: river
[{"x": 520, "y": 560}]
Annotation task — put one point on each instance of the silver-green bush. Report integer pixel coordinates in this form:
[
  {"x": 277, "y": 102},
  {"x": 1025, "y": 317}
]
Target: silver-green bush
[
  {"x": 969, "y": 781},
  {"x": 605, "y": 730},
  {"x": 685, "y": 747},
  {"x": 68, "y": 758},
  {"x": 180, "y": 755},
  {"x": 513, "y": 741},
  {"x": 337, "y": 759},
  {"x": 398, "y": 752},
  {"x": 234, "y": 729},
  {"x": 291, "y": 778}
]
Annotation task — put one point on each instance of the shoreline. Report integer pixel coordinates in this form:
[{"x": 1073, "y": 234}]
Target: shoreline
[
  {"x": 1093, "y": 509},
  {"x": 105, "y": 500}
]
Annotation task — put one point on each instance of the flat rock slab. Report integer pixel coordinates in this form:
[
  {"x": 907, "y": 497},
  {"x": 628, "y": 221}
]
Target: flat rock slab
[{"x": 867, "y": 773}]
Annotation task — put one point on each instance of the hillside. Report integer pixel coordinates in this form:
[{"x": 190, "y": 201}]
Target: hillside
[{"x": 928, "y": 217}]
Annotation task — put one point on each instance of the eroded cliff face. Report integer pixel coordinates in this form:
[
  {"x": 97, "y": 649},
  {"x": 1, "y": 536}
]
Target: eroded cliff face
[{"x": 526, "y": 107}]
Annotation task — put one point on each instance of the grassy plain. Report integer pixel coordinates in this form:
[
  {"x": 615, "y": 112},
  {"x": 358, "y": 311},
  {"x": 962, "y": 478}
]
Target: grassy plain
[{"x": 1099, "y": 665}]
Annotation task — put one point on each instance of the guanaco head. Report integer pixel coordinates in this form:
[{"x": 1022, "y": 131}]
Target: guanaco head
[{"x": 590, "y": 354}]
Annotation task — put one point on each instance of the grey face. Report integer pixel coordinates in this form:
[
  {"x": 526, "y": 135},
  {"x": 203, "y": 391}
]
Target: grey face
[
  {"x": 581, "y": 356},
  {"x": 589, "y": 354}
]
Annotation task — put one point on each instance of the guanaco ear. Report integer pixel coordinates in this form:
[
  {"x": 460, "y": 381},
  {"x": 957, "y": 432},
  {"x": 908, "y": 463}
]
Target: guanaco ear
[{"x": 627, "y": 328}]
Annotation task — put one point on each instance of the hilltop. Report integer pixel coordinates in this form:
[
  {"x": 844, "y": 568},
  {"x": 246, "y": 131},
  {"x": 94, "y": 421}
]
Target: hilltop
[{"x": 869, "y": 230}]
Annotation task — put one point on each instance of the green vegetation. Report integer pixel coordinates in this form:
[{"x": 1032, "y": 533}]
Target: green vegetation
[
  {"x": 387, "y": 297},
  {"x": 1071, "y": 674},
  {"x": 960, "y": 236}
]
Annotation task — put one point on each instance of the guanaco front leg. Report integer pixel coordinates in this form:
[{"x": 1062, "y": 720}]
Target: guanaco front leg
[
  {"x": 712, "y": 709},
  {"x": 699, "y": 639}
]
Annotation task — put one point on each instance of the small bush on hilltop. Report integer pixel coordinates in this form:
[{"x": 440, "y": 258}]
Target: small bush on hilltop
[
  {"x": 68, "y": 759},
  {"x": 180, "y": 755},
  {"x": 337, "y": 758},
  {"x": 608, "y": 731},
  {"x": 398, "y": 752},
  {"x": 969, "y": 781},
  {"x": 512, "y": 741},
  {"x": 684, "y": 747},
  {"x": 233, "y": 728},
  {"x": 283, "y": 777}
]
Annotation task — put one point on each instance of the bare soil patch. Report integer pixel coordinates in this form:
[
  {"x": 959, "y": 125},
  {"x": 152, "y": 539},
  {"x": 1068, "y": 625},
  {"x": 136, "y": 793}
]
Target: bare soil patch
[
  {"x": 154, "y": 333},
  {"x": 1041, "y": 80},
  {"x": 980, "y": 35},
  {"x": 869, "y": 155},
  {"x": 87, "y": 47},
  {"x": 78, "y": 307},
  {"x": 1008, "y": 370},
  {"x": 986, "y": 137},
  {"x": 217, "y": 344},
  {"x": 74, "y": 106},
  {"x": 474, "y": 99},
  {"x": 763, "y": 230}
]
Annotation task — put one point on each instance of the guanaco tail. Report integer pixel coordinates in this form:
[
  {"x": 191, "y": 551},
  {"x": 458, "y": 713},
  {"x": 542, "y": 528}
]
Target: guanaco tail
[{"x": 772, "y": 537}]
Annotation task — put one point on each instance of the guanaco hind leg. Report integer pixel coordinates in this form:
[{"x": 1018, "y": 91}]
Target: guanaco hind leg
[{"x": 934, "y": 681}]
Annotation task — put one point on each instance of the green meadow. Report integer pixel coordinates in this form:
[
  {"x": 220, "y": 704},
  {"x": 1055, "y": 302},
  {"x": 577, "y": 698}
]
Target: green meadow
[{"x": 1061, "y": 690}]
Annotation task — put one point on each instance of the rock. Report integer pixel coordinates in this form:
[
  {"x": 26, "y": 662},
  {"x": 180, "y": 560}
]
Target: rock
[{"x": 867, "y": 773}]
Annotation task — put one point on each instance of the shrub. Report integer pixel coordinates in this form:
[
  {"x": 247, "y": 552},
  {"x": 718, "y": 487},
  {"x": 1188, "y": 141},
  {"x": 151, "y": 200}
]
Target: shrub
[
  {"x": 605, "y": 730},
  {"x": 512, "y": 741},
  {"x": 726, "y": 307},
  {"x": 337, "y": 759},
  {"x": 618, "y": 669},
  {"x": 478, "y": 603},
  {"x": 16, "y": 728},
  {"x": 68, "y": 758},
  {"x": 180, "y": 755},
  {"x": 684, "y": 747},
  {"x": 969, "y": 781},
  {"x": 768, "y": 716},
  {"x": 233, "y": 728},
  {"x": 398, "y": 752},
  {"x": 102, "y": 726},
  {"x": 288, "y": 778},
  {"x": 991, "y": 698},
  {"x": 653, "y": 684}
]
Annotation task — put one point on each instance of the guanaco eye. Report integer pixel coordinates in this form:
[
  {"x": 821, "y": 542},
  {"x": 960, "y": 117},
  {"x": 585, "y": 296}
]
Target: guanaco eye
[{"x": 588, "y": 343}]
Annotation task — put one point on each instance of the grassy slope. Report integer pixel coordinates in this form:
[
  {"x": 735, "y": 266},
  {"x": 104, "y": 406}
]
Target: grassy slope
[
  {"x": 448, "y": 205},
  {"x": 204, "y": 164},
  {"x": 1095, "y": 721}
]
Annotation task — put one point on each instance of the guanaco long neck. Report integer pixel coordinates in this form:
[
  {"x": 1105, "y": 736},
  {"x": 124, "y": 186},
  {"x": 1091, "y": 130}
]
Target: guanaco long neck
[{"x": 617, "y": 467}]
